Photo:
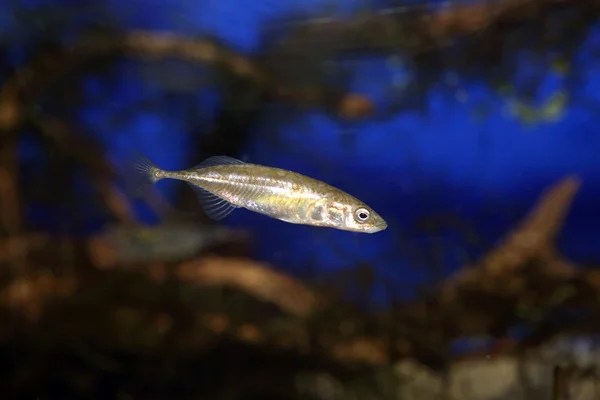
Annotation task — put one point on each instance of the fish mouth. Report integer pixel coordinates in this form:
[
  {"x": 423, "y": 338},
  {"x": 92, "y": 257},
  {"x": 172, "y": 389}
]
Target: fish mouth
[{"x": 378, "y": 227}]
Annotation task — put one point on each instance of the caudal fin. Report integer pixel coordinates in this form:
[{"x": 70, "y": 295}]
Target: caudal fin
[
  {"x": 138, "y": 176},
  {"x": 146, "y": 168},
  {"x": 145, "y": 173}
]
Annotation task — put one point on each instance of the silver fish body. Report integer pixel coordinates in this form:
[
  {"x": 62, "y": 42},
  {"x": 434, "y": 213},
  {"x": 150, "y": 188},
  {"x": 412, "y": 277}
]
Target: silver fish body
[{"x": 224, "y": 183}]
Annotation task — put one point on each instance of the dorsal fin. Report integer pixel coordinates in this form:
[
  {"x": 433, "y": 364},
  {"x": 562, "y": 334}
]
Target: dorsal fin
[
  {"x": 214, "y": 207},
  {"x": 218, "y": 160}
]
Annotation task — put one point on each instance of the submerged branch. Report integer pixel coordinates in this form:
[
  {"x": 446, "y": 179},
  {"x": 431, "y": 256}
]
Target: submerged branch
[
  {"x": 427, "y": 30},
  {"x": 461, "y": 19},
  {"x": 257, "y": 279},
  {"x": 532, "y": 238},
  {"x": 87, "y": 153},
  {"x": 507, "y": 286}
]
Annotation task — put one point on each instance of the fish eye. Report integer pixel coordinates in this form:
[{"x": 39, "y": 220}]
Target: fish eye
[{"x": 362, "y": 214}]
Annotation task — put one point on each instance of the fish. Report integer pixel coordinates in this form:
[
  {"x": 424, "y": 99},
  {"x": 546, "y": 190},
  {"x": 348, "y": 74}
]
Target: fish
[
  {"x": 165, "y": 242},
  {"x": 223, "y": 183}
]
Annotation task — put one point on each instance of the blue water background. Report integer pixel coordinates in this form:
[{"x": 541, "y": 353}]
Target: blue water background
[{"x": 487, "y": 171}]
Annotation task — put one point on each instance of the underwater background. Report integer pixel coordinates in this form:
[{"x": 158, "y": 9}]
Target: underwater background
[{"x": 451, "y": 119}]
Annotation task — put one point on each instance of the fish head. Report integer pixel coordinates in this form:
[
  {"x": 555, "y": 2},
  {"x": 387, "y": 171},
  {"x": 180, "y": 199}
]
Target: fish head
[
  {"x": 362, "y": 218},
  {"x": 351, "y": 215}
]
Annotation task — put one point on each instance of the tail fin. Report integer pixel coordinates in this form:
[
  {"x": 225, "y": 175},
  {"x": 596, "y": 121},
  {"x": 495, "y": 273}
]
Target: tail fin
[
  {"x": 146, "y": 168},
  {"x": 147, "y": 173},
  {"x": 139, "y": 175}
]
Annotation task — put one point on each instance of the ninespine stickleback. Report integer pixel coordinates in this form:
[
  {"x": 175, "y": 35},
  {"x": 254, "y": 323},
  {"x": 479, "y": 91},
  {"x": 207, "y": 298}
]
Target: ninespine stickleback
[{"x": 223, "y": 184}]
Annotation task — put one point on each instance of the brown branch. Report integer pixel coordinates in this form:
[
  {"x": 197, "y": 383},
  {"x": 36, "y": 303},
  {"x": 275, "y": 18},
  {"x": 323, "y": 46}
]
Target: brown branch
[
  {"x": 532, "y": 238},
  {"x": 414, "y": 29},
  {"x": 10, "y": 203},
  {"x": 89, "y": 154},
  {"x": 158, "y": 45},
  {"x": 26, "y": 85},
  {"x": 422, "y": 327},
  {"x": 10, "y": 209},
  {"x": 20, "y": 91},
  {"x": 254, "y": 278},
  {"x": 257, "y": 279},
  {"x": 16, "y": 97},
  {"x": 461, "y": 19}
]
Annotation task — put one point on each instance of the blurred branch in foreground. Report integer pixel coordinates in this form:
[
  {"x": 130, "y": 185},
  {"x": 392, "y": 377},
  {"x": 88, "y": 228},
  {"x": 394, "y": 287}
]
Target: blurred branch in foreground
[
  {"x": 522, "y": 275},
  {"x": 425, "y": 31},
  {"x": 415, "y": 28}
]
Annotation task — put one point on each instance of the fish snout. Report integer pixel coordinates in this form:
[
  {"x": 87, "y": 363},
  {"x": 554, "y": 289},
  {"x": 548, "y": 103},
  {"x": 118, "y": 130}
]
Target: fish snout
[
  {"x": 381, "y": 226},
  {"x": 378, "y": 226}
]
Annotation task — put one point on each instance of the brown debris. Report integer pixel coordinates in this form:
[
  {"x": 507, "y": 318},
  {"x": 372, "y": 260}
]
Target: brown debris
[
  {"x": 461, "y": 19},
  {"x": 361, "y": 350},
  {"x": 18, "y": 247},
  {"x": 249, "y": 334},
  {"x": 355, "y": 106},
  {"x": 218, "y": 323},
  {"x": 101, "y": 252},
  {"x": 29, "y": 295},
  {"x": 10, "y": 209}
]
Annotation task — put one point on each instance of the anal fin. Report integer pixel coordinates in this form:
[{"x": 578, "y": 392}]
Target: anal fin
[{"x": 214, "y": 207}]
